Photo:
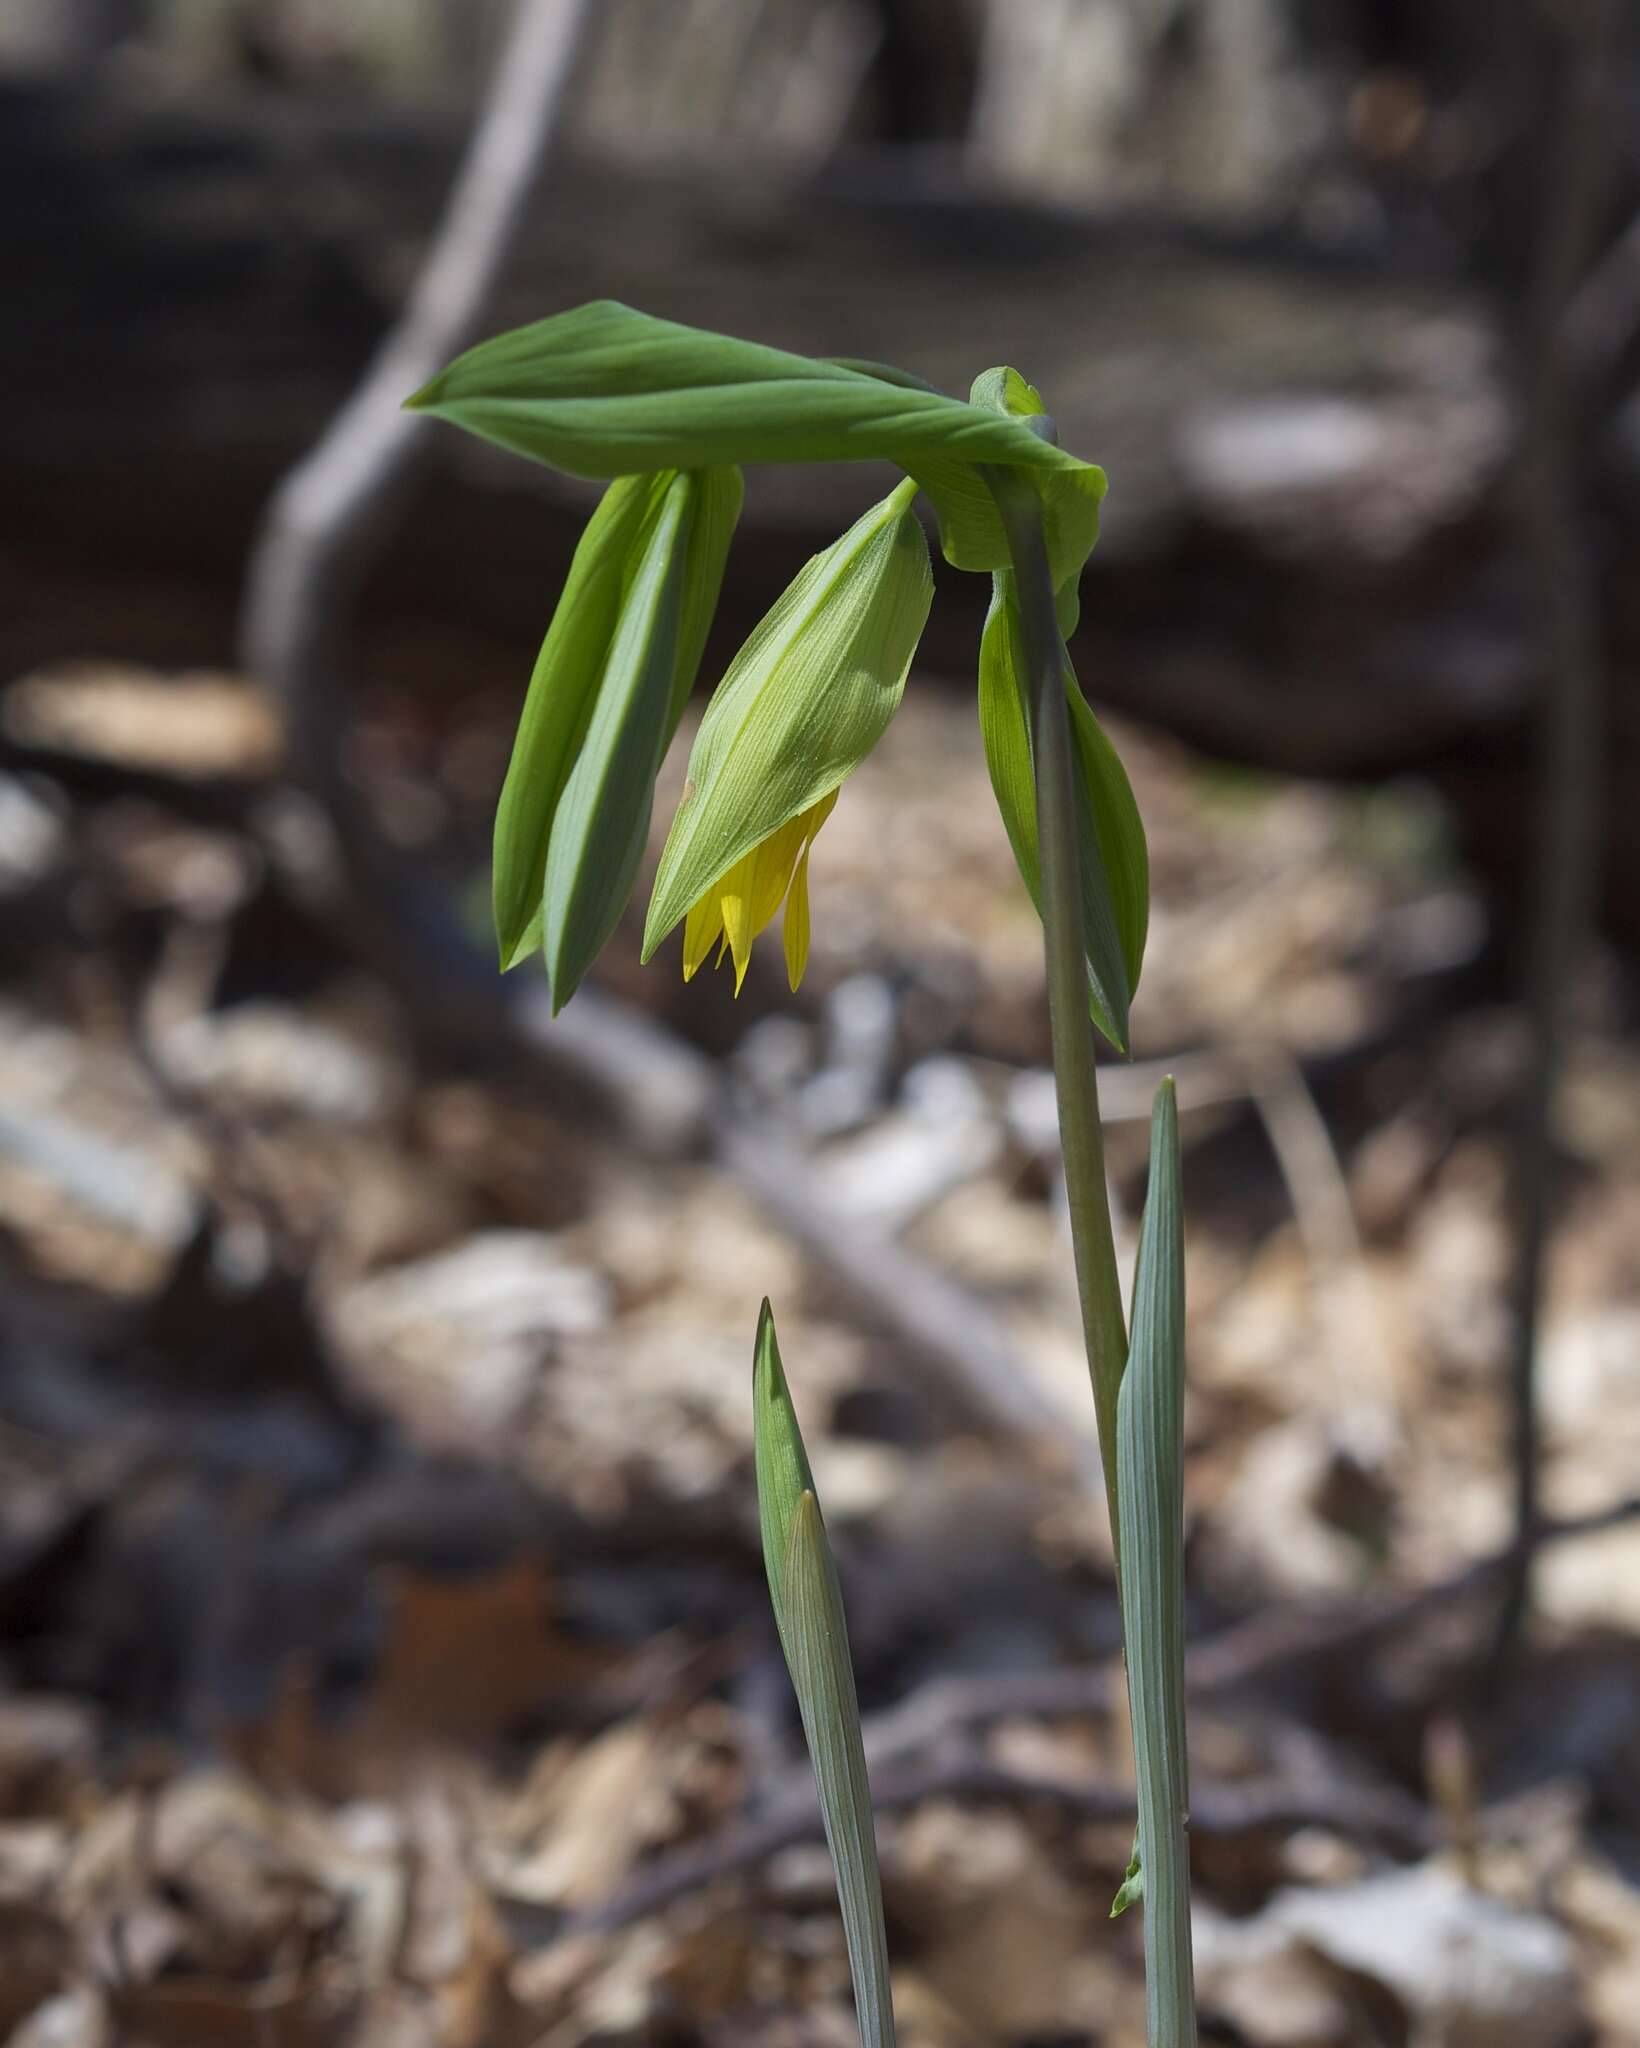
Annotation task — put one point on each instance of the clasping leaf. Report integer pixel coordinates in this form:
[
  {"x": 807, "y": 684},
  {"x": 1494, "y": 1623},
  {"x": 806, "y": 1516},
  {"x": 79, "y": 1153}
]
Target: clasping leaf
[
  {"x": 1150, "y": 1463},
  {"x": 1110, "y": 837},
  {"x": 1111, "y": 840}
]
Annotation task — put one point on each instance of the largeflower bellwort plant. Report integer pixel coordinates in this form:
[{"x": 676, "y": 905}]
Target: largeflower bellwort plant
[{"x": 669, "y": 414}]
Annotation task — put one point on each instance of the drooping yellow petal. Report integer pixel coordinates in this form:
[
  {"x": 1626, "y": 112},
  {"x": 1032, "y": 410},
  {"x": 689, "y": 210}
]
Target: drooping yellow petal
[
  {"x": 754, "y": 889},
  {"x": 734, "y": 895},
  {"x": 796, "y": 931},
  {"x": 797, "y": 901},
  {"x": 817, "y": 813},
  {"x": 743, "y": 901},
  {"x": 703, "y": 928}
]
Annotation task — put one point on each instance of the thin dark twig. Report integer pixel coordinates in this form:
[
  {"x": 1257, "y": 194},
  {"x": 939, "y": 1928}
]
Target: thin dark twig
[
  {"x": 942, "y": 1332},
  {"x": 1565, "y": 869}
]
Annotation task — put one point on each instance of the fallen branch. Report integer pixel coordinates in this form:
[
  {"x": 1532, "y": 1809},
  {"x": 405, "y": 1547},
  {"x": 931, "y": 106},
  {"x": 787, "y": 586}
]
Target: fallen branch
[
  {"x": 940, "y": 1329},
  {"x": 1380, "y": 1814},
  {"x": 941, "y": 1722},
  {"x": 327, "y": 518},
  {"x": 1235, "y": 1657}
]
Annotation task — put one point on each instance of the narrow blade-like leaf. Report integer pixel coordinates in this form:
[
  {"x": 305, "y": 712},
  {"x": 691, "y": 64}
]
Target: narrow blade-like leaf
[
  {"x": 557, "y": 704},
  {"x": 783, "y": 1474},
  {"x": 824, "y": 1680},
  {"x": 609, "y": 685},
  {"x": 601, "y": 824},
  {"x": 602, "y": 817},
  {"x": 1150, "y": 1454},
  {"x": 808, "y": 1606}
]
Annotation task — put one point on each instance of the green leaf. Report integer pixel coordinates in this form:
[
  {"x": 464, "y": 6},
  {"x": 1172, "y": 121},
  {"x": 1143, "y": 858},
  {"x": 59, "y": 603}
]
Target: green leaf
[
  {"x": 1006, "y": 391},
  {"x": 1150, "y": 1458},
  {"x": 602, "y": 821},
  {"x": 804, "y": 701},
  {"x": 1115, "y": 865},
  {"x": 609, "y": 685},
  {"x": 718, "y": 495},
  {"x": 885, "y": 373},
  {"x": 566, "y": 675},
  {"x": 783, "y": 1474},
  {"x": 808, "y": 1608},
  {"x": 1132, "y": 1888},
  {"x": 605, "y": 391}
]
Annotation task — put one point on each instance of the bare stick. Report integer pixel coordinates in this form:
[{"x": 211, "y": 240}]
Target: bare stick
[
  {"x": 937, "y": 1726},
  {"x": 1237, "y": 1656},
  {"x": 1383, "y": 1815},
  {"x": 941, "y": 1329}
]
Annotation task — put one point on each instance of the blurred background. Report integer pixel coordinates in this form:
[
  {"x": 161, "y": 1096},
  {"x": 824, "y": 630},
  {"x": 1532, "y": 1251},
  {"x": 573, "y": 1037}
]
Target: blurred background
[{"x": 384, "y": 1654}]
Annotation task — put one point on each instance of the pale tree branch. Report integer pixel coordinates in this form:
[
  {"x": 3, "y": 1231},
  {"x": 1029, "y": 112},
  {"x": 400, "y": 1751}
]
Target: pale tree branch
[{"x": 327, "y": 517}]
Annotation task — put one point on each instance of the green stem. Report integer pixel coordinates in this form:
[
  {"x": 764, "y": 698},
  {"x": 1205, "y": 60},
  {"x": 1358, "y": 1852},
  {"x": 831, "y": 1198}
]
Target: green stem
[
  {"x": 1076, "y": 1079},
  {"x": 1150, "y": 1573}
]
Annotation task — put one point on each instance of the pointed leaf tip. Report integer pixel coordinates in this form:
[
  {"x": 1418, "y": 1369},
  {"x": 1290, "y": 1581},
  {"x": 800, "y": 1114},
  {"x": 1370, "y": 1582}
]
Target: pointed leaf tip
[
  {"x": 782, "y": 1462},
  {"x": 1132, "y": 1888},
  {"x": 808, "y": 1609}
]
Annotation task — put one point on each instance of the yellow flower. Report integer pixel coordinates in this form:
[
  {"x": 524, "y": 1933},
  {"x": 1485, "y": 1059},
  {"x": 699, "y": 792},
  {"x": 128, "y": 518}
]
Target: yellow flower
[
  {"x": 743, "y": 900},
  {"x": 799, "y": 708}
]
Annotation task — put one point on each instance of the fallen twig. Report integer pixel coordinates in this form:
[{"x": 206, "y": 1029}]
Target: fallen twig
[
  {"x": 1380, "y": 1814},
  {"x": 327, "y": 517},
  {"x": 938, "y": 1325},
  {"x": 1235, "y": 1657},
  {"x": 940, "y": 1724}
]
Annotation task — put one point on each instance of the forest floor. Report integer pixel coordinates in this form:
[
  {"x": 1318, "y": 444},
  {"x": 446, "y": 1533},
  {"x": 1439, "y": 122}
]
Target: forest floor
[{"x": 385, "y": 1653}]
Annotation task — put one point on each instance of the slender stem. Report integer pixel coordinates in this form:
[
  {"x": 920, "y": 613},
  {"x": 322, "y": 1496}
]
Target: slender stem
[
  {"x": 1076, "y": 1080},
  {"x": 1151, "y": 1566}
]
